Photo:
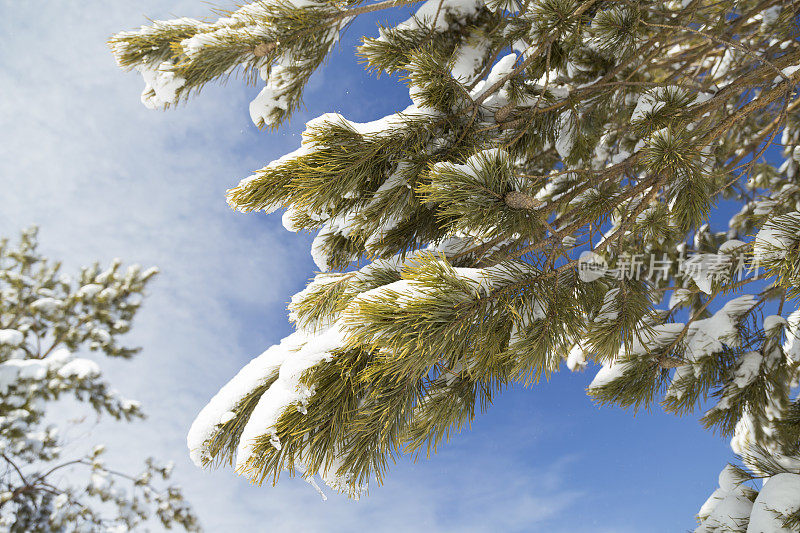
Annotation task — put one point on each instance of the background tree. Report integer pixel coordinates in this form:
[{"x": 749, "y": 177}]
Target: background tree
[
  {"x": 546, "y": 197},
  {"x": 45, "y": 318}
]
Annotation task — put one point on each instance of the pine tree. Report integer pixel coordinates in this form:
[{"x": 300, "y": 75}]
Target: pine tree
[
  {"x": 45, "y": 318},
  {"x": 546, "y": 197}
]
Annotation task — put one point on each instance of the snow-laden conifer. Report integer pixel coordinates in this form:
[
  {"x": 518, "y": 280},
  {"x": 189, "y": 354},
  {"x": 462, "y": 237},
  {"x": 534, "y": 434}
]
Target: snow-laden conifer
[
  {"x": 48, "y": 322},
  {"x": 542, "y": 137}
]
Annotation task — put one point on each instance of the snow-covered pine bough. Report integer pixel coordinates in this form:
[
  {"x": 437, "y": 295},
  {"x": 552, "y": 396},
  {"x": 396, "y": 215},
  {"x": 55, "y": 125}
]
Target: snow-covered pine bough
[{"x": 540, "y": 133}]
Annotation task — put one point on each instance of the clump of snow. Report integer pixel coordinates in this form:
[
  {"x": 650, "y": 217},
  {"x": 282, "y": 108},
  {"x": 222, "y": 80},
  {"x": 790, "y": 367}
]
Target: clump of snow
[
  {"x": 729, "y": 479},
  {"x": 469, "y": 60},
  {"x": 651, "y": 102},
  {"x": 644, "y": 106},
  {"x": 47, "y": 306},
  {"x": 728, "y": 514},
  {"x": 80, "y": 369},
  {"x": 772, "y": 323},
  {"x": 747, "y": 370},
  {"x": 334, "y": 226},
  {"x": 723, "y": 65},
  {"x": 609, "y": 311},
  {"x": 780, "y": 494},
  {"x": 193, "y": 45},
  {"x": 706, "y": 336},
  {"x": 318, "y": 253},
  {"x": 89, "y": 290},
  {"x": 656, "y": 338},
  {"x": 566, "y": 134},
  {"x": 652, "y": 340},
  {"x": 732, "y": 246},
  {"x": 501, "y": 69},
  {"x": 576, "y": 359},
  {"x": 11, "y": 337},
  {"x": 706, "y": 269},
  {"x": 749, "y": 432},
  {"x": 678, "y": 297},
  {"x": 773, "y": 240},
  {"x": 273, "y": 97},
  {"x": 60, "y": 361},
  {"x": 161, "y": 85},
  {"x": 381, "y": 126},
  {"x": 786, "y": 72},
  {"x": 8, "y": 374},
  {"x": 770, "y": 15},
  {"x": 432, "y": 15},
  {"x": 728, "y": 507},
  {"x": 287, "y": 391},
  {"x": 289, "y": 221},
  {"x": 792, "y": 344},
  {"x": 608, "y": 373},
  {"x": 120, "y": 46},
  {"x": 228, "y": 397}
]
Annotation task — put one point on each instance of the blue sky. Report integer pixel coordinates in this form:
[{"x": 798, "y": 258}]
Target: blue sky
[{"x": 104, "y": 177}]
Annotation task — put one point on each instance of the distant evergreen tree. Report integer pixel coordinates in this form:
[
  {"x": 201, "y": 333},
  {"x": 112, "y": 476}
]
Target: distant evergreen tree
[
  {"x": 45, "y": 318},
  {"x": 546, "y": 197}
]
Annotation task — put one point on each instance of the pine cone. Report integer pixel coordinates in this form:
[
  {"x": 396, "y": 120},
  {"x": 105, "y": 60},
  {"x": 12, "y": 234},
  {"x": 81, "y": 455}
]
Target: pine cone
[
  {"x": 502, "y": 114},
  {"x": 263, "y": 49},
  {"x": 670, "y": 362},
  {"x": 520, "y": 200}
]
